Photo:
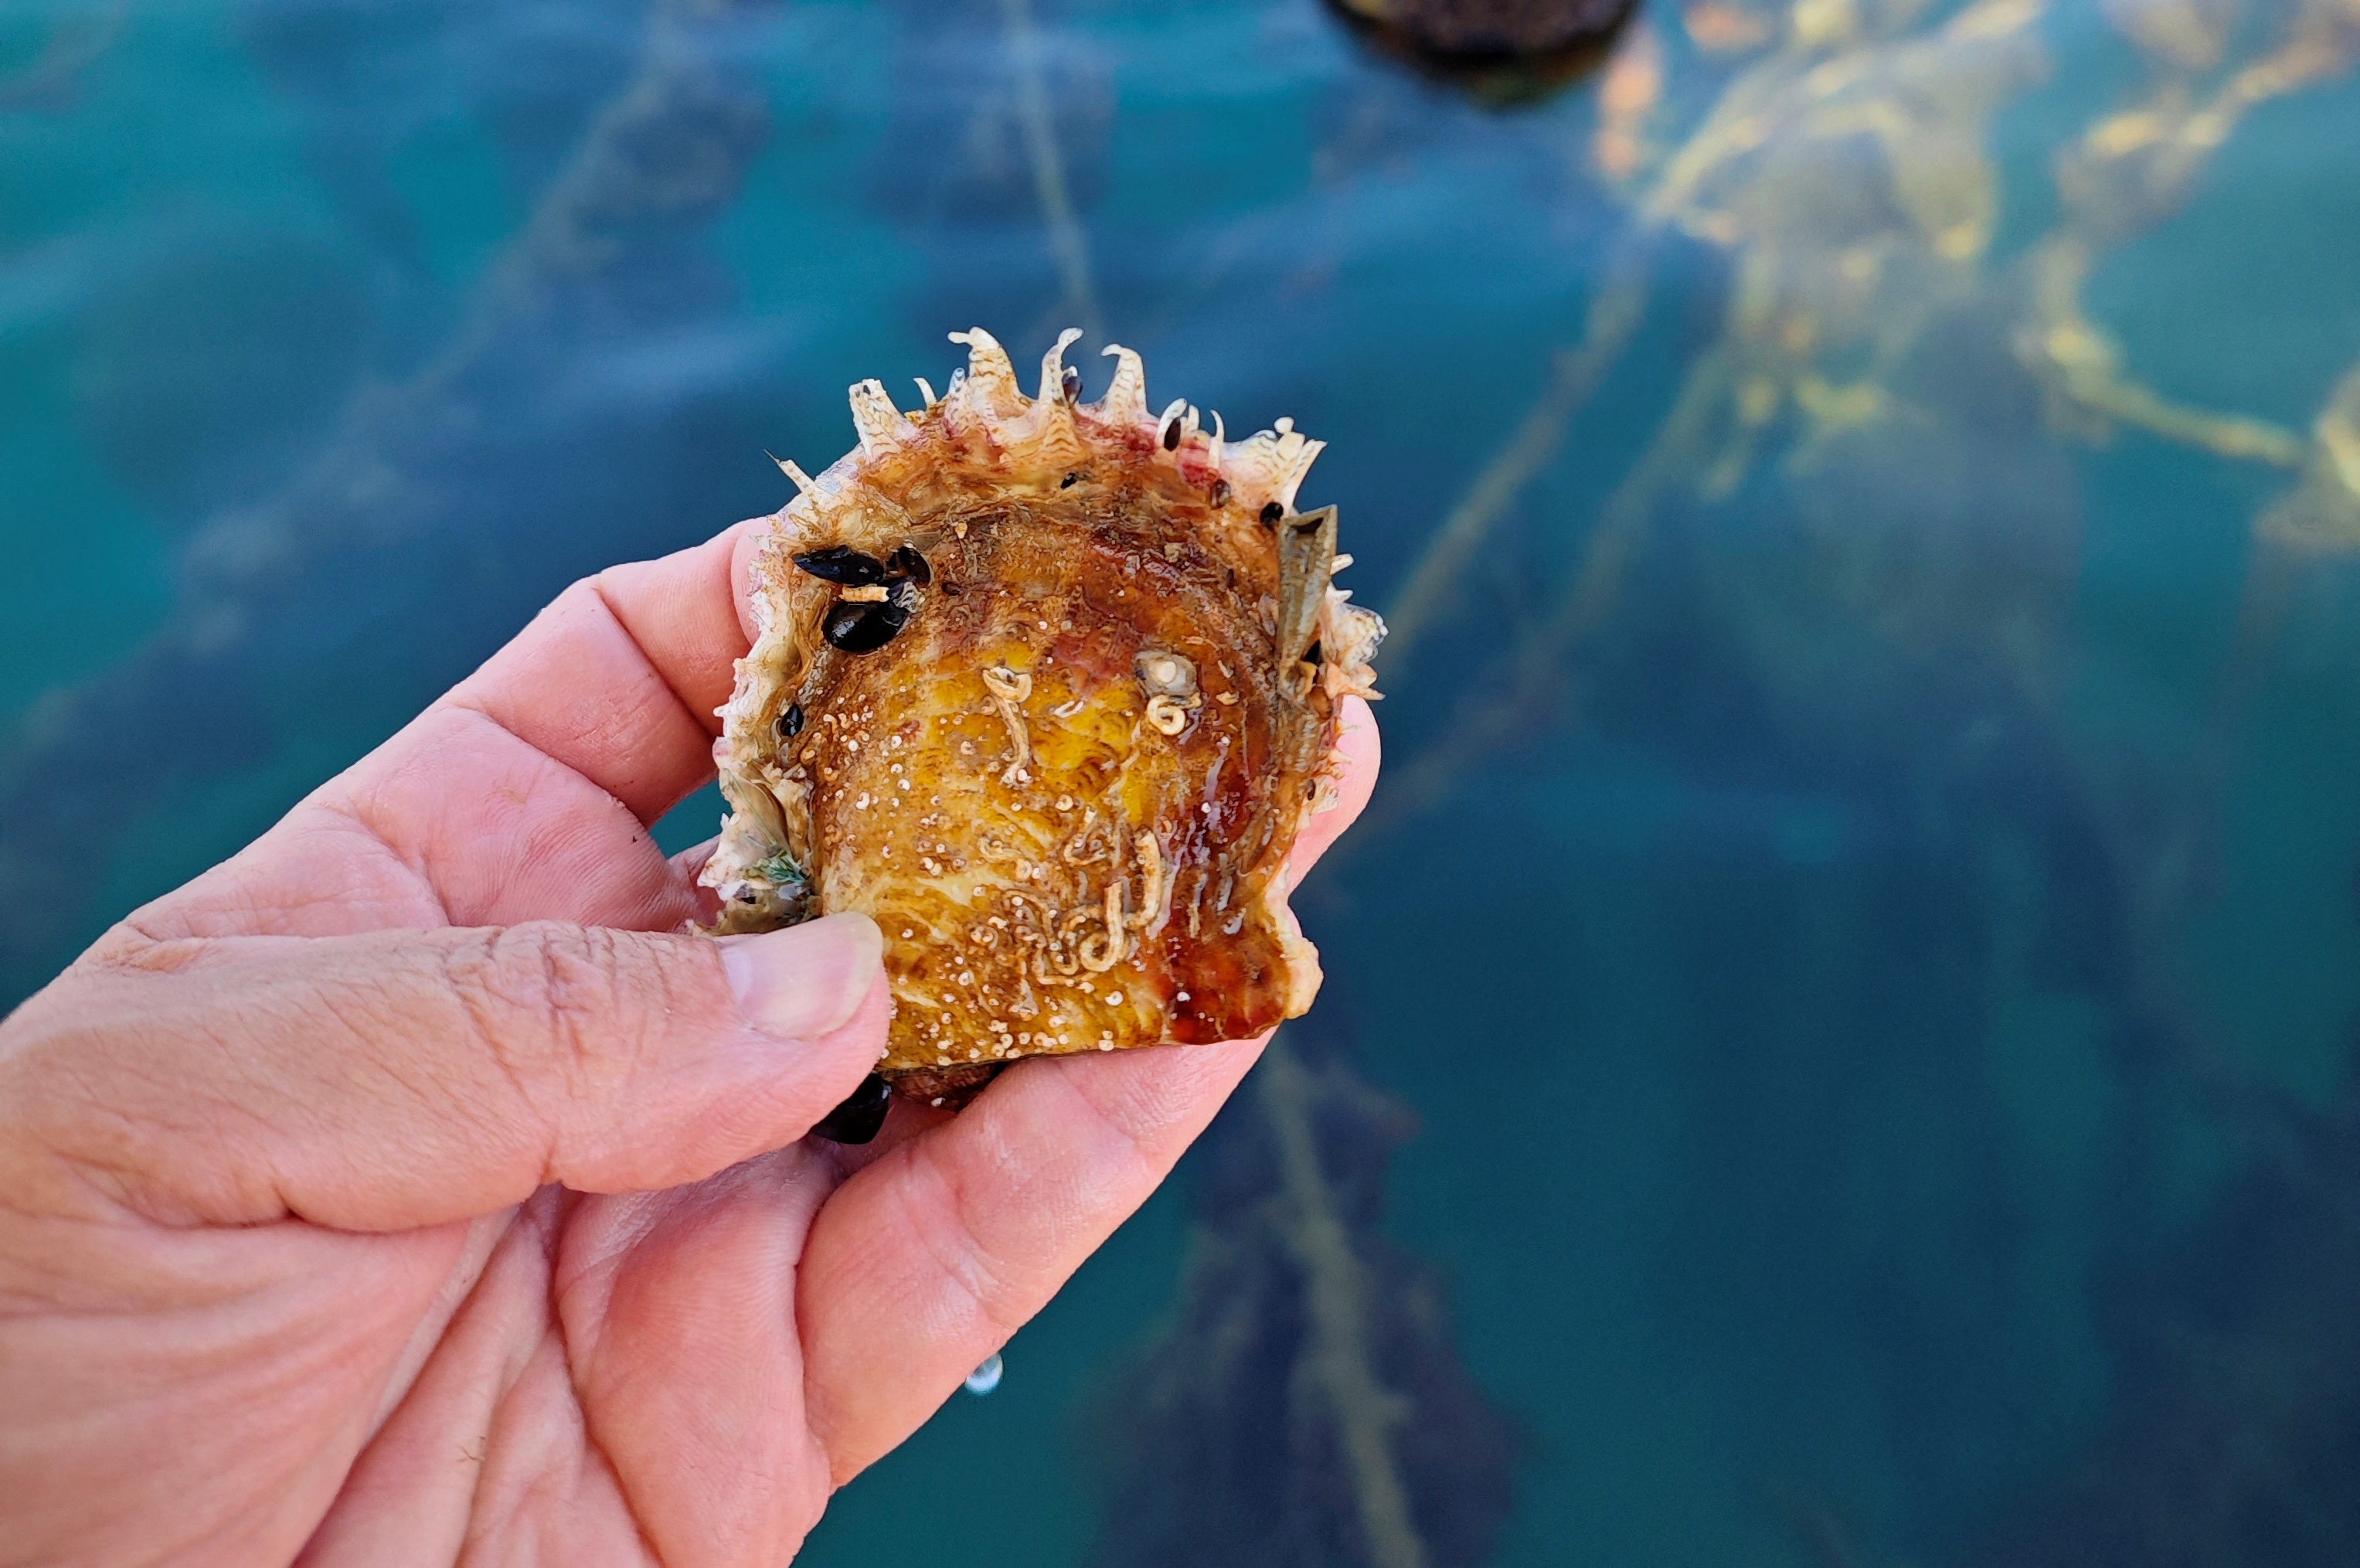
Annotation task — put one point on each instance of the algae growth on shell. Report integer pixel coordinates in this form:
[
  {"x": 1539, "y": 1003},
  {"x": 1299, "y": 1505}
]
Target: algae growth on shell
[{"x": 1048, "y": 689}]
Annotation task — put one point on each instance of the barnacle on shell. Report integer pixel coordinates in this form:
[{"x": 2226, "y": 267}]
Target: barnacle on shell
[{"x": 1047, "y": 688}]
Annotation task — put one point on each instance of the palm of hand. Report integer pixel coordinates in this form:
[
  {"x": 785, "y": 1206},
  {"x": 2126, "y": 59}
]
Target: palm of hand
[{"x": 326, "y": 1296}]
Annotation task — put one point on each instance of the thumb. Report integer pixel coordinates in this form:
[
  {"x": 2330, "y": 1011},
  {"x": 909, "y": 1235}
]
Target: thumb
[{"x": 407, "y": 1078}]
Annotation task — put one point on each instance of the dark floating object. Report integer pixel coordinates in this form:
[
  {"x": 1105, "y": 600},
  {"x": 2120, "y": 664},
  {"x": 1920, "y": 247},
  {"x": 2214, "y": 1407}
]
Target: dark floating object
[
  {"x": 1172, "y": 434},
  {"x": 864, "y": 628},
  {"x": 1499, "y": 51},
  {"x": 844, "y": 565},
  {"x": 1307, "y": 1405},
  {"x": 791, "y": 723},
  {"x": 1270, "y": 513},
  {"x": 861, "y": 1115},
  {"x": 905, "y": 561}
]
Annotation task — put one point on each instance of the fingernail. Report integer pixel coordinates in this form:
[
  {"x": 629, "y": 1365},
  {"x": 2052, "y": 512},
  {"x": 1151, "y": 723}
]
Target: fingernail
[{"x": 806, "y": 979}]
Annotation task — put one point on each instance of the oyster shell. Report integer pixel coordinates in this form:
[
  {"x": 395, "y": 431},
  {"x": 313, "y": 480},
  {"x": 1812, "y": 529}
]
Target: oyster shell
[{"x": 1047, "y": 688}]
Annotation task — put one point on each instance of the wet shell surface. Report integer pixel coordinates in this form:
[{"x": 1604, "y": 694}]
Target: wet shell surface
[{"x": 1047, "y": 688}]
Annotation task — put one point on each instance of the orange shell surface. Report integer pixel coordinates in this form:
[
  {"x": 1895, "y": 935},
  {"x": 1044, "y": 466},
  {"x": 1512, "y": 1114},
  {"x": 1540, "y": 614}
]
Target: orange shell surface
[{"x": 1067, "y": 787}]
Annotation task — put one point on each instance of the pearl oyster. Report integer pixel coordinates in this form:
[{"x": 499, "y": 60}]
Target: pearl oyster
[{"x": 1047, "y": 688}]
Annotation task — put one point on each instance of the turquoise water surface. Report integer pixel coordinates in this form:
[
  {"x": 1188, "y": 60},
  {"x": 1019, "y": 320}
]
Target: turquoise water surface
[{"x": 1839, "y": 1045}]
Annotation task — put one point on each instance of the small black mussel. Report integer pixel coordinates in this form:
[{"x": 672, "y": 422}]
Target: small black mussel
[
  {"x": 861, "y": 1116},
  {"x": 844, "y": 565},
  {"x": 864, "y": 628},
  {"x": 790, "y": 722},
  {"x": 905, "y": 561}
]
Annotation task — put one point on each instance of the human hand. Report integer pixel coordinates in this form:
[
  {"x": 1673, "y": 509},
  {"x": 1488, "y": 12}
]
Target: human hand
[{"x": 402, "y": 1191}]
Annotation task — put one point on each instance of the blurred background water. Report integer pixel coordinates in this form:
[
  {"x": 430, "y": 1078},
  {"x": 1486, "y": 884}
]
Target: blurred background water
[{"x": 1839, "y": 1045}]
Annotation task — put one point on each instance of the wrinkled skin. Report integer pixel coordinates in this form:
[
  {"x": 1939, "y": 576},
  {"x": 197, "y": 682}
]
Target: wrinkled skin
[{"x": 402, "y": 1191}]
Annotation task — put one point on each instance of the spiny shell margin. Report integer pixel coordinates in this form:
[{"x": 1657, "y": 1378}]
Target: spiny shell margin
[{"x": 984, "y": 401}]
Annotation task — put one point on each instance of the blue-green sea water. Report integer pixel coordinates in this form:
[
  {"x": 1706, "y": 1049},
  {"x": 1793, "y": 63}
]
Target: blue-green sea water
[{"x": 1864, "y": 906}]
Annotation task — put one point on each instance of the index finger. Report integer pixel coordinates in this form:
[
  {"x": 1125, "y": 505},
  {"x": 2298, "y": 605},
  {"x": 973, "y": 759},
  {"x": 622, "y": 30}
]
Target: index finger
[{"x": 619, "y": 679}]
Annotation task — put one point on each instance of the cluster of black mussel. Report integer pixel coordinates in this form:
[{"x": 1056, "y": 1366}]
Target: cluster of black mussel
[{"x": 865, "y": 624}]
